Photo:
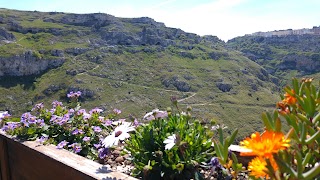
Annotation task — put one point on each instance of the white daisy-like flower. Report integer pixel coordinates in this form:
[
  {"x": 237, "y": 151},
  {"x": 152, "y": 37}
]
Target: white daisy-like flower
[
  {"x": 155, "y": 114},
  {"x": 120, "y": 133},
  {"x": 170, "y": 142}
]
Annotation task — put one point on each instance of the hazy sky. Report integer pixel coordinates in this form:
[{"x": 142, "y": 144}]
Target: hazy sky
[{"x": 223, "y": 18}]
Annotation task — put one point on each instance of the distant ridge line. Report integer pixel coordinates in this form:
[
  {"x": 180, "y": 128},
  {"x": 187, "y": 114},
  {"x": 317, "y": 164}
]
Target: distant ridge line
[{"x": 314, "y": 31}]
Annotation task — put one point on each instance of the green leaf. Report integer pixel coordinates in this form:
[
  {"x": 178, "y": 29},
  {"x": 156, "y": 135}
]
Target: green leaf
[
  {"x": 303, "y": 134},
  {"x": 286, "y": 166},
  {"x": 306, "y": 159},
  {"x": 303, "y": 118},
  {"x": 295, "y": 85},
  {"x": 316, "y": 118},
  {"x": 278, "y": 125},
  {"x": 313, "y": 137},
  {"x": 312, "y": 173},
  {"x": 300, "y": 168},
  {"x": 220, "y": 135},
  {"x": 232, "y": 137},
  {"x": 266, "y": 121}
]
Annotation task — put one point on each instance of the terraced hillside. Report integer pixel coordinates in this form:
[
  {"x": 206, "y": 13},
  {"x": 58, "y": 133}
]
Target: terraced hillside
[{"x": 135, "y": 65}]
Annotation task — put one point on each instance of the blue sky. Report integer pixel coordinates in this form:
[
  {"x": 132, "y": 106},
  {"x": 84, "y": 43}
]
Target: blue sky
[{"x": 223, "y": 18}]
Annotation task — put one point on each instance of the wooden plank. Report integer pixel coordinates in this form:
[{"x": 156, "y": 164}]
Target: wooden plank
[
  {"x": 4, "y": 164},
  {"x": 30, "y": 160}
]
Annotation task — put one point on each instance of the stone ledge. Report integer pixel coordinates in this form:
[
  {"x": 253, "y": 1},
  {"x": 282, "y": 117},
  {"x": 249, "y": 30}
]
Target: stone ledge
[{"x": 48, "y": 154}]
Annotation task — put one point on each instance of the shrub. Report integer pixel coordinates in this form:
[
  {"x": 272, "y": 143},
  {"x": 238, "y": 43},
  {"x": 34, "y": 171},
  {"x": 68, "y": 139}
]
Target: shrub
[
  {"x": 171, "y": 147},
  {"x": 68, "y": 127}
]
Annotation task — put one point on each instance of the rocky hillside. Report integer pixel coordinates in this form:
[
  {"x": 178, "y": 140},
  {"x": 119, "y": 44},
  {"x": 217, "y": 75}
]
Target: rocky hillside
[
  {"x": 134, "y": 65},
  {"x": 284, "y": 53}
]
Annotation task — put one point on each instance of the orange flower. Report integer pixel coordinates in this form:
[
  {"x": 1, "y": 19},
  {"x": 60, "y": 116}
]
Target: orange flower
[
  {"x": 288, "y": 99},
  {"x": 264, "y": 145},
  {"x": 258, "y": 168}
]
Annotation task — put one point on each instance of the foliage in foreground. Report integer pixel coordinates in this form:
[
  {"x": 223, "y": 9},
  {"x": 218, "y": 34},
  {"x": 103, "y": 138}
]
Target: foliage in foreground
[
  {"x": 170, "y": 147},
  {"x": 295, "y": 155},
  {"x": 68, "y": 127},
  {"x": 174, "y": 146}
]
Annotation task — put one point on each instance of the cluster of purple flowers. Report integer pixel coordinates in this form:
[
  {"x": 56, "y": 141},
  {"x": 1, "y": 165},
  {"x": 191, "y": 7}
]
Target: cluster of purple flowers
[
  {"x": 29, "y": 119},
  {"x": 95, "y": 110},
  {"x": 77, "y": 131},
  {"x": 56, "y": 103},
  {"x": 10, "y": 126},
  {"x": 60, "y": 120},
  {"x": 74, "y": 94}
]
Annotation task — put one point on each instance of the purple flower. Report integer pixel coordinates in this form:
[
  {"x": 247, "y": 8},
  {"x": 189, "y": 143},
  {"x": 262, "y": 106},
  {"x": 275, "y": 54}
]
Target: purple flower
[
  {"x": 103, "y": 152},
  {"x": 97, "y": 145},
  {"x": 25, "y": 122},
  {"x": 76, "y": 147},
  {"x": 116, "y": 111},
  {"x": 86, "y": 116},
  {"x": 41, "y": 122},
  {"x": 56, "y": 103},
  {"x": 10, "y": 126},
  {"x": 32, "y": 120},
  {"x": 4, "y": 114},
  {"x": 52, "y": 110},
  {"x": 96, "y": 129},
  {"x": 42, "y": 139},
  {"x": 81, "y": 111},
  {"x": 58, "y": 120},
  {"x": 38, "y": 107},
  {"x": 101, "y": 118},
  {"x": 95, "y": 110},
  {"x": 71, "y": 111},
  {"x": 86, "y": 139},
  {"x": 108, "y": 122},
  {"x": 214, "y": 162},
  {"x": 76, "y": 131},
  {"x": 62, "y": 144},
  {"x": 161, "y": 114},
  {"x": 72, "y": 94},
  {"x": 136, "y": 123}
]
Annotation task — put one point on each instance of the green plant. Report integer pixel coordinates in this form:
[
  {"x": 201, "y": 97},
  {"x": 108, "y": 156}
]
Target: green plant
[
  {"x": 171, "y": 147},
  {"x": 296, "y": 155},
  {"x": 68, "y": 127}
]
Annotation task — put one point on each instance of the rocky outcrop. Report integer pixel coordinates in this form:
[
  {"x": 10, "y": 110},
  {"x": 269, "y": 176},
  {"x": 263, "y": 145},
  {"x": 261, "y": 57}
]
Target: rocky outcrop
[
  {"x": 5, "y": 35},
  {"x": 224, "y": 87},
  {"x": 27, "y": 64},
  {"x": 175, "y": 82},
  {"x": 77, "y": 51}
]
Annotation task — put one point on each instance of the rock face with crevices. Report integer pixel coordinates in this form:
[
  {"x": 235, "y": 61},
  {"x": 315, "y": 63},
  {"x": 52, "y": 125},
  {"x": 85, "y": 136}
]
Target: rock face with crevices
[{"x": 26, "y": 64}]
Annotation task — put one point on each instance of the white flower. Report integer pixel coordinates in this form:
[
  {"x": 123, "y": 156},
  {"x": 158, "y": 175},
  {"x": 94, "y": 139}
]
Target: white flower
[
  {"x": 155, "y": 114},
  {"x": 214, "y": 128},
  {"x": 120, "y": 133},
  {"x": 170, "y": 142}
]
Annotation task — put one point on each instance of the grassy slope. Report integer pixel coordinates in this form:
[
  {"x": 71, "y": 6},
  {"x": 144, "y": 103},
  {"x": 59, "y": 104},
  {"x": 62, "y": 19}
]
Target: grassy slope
[{"x": 132, "y": 82}]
